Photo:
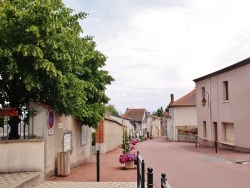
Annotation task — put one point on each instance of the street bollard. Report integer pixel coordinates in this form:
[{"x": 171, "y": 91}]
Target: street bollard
[
  {"x": 163, "y": 180},
  {"x": 98, "y": 165},
  {"x": 150, "y": 178},
  {"x": 216, "y": 145},
  {"x": 138, "y": 169},
  {"x": 196, "y": 138},
  {"x": 142, "y": 174}
]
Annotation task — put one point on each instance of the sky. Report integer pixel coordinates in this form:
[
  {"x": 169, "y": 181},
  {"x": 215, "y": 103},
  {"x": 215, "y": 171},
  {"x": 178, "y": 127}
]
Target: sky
[{"x": 157, "y": 48}]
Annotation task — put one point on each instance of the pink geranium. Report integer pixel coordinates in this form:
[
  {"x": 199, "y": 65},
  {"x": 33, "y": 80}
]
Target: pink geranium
[{"x": 127, "y": 157}]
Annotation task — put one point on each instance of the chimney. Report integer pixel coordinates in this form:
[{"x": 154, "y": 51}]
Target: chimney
[{"x": 172, "y": 98}]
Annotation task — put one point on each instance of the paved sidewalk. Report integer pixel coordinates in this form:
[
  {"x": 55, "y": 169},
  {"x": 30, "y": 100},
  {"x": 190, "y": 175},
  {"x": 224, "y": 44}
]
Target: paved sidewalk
[
  {"x": 111, "y": 170},
  {"x": 56, "y": 184},
  {"x": 10, "y": 180},
  {"x": 114, "y": 175}
]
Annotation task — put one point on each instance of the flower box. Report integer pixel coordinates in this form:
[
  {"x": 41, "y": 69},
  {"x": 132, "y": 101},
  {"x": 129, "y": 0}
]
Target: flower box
[{"x": 129, "y": 165}]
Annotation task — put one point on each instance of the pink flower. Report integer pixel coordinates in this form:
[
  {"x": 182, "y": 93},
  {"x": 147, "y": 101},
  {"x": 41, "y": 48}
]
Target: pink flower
[{"x": 127, "y": 157}]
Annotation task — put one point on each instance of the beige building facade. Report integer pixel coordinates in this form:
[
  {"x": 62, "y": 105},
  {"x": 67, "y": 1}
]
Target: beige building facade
[
  {"x": 153, "y": 126},
  {"x": 138, "y": 117},
  {"x": 182, "y": 114},
  {"x": 223, "y": 109}
]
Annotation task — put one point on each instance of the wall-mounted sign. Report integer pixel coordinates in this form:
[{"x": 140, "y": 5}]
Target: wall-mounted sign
[
  {"x": 84, "y": 135},
  {"x": 67, "y": 142},
  {"x": 60, "y": 125},
  {"x": 50, "y": 132},
  {"x": 51, "y": 119}
]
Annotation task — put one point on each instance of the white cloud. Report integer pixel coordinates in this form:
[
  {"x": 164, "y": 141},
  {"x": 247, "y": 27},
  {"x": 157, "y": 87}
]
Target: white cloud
[{"x": 165, "y": 44}]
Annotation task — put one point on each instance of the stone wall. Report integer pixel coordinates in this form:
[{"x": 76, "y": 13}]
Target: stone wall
[
  {"x": 186, "y": 138},
  {"x": 108, "y": 135},
  {"x": 55, "y": 138},
  {"x": 21, "y": 155}
]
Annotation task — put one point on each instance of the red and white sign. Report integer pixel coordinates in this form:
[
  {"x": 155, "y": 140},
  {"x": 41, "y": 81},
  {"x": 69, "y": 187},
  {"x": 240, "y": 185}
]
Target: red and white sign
[{"x": 51, "y": 119}]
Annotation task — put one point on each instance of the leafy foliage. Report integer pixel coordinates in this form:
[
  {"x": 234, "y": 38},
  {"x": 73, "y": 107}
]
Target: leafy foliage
[
  {"x": 109, "y": 108},
  {"x": 159, "y": 112},
  {"x": 44, "y": 58}
]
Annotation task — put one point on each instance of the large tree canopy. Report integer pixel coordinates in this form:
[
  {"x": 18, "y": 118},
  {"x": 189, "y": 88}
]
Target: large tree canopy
[
  {"x": 44, "y": 58},
  {"x": 110, "y": 108}
]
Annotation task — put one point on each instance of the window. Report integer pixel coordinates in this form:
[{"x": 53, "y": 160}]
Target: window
[
  {"x": 204, "y": 129},
  {"x": 203, "y": 92},
  {"x": 225, "y": 91},
  {"x": 228, "y": 132}
]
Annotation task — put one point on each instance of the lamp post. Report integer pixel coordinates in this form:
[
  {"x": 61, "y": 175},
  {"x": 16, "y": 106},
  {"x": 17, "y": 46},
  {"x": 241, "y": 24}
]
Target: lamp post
[{"x": 204, "y": 102}]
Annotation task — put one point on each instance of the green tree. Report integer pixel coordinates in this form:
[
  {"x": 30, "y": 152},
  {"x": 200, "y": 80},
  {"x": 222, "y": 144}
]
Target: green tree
[
  {"x": 159, "y": 112},
  {"x": 44, "y": 58},
  {"x": 110, "y": 108}
]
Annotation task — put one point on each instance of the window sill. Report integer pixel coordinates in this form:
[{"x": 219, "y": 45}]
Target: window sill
[
  {"x": 226, "y": 101},
  {"x": 228, "y": 143},
  {"x": 205, "y": 139}
]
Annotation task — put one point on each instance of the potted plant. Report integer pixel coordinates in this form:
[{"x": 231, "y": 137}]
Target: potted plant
[{"x": 128, "y": 155}]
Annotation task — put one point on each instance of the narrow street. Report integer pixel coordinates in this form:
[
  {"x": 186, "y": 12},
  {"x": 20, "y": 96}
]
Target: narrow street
[{"x": 189, "y": 167}]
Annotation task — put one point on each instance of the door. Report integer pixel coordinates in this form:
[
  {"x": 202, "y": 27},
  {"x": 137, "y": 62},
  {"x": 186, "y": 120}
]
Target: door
[{"x": 215, "y": 134}]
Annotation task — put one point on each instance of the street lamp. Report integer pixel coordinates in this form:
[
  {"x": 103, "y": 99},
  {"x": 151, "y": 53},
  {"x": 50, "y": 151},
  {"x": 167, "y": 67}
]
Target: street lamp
[{"x": 204, "y": 101}]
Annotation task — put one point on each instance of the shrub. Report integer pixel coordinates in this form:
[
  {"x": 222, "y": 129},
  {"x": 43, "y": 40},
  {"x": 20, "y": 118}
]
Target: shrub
[
  {"x": 194, "y": 131},
  {"x": 187, "y": 131},
  {"x": 181, "y": 130}
]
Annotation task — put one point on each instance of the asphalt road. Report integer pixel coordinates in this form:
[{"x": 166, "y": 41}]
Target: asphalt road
[{"x": 189, "y": 167}]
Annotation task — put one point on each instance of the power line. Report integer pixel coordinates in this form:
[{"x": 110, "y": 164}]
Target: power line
[{"x": 151, "y": 88}]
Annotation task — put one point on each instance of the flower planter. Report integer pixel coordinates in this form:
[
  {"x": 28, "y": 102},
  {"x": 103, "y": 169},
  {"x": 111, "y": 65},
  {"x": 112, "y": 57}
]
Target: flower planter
[{"x": 130, "y": 165}]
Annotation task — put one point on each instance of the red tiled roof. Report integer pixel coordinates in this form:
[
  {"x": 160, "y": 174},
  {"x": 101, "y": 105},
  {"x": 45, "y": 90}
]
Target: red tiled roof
[
  {"x": 135, "y": 114},
  {"x": 156, "y": 117},
  {"x": 187, "y": 100}
]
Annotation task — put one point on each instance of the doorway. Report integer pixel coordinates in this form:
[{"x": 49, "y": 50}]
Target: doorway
[{"x": 215, "y": 128}]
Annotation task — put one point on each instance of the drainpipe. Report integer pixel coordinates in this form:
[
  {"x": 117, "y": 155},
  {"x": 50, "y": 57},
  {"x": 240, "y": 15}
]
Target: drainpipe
[
  {"x": 210, "y": 114},
  {"x": 175, "y": 124}
]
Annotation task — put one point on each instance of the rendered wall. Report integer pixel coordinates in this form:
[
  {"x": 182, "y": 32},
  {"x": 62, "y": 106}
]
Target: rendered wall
[
  {"x": 181, "y": 116},
  {"x": 126, "y": 122},
  {"x": 20, "y": 156},
  {"x": 154, "y": 126},
  {"x": 108, "y": 135},
  {"x": 113, "y": 135},
  {"x": 54, "y": 138},
  {"x": 235, "y": 110}
]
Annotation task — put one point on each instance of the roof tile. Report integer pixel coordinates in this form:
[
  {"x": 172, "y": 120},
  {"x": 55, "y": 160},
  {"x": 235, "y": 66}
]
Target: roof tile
[
  {"x": 135, "y": 114},
  {"x": 187, "y": 100}
]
